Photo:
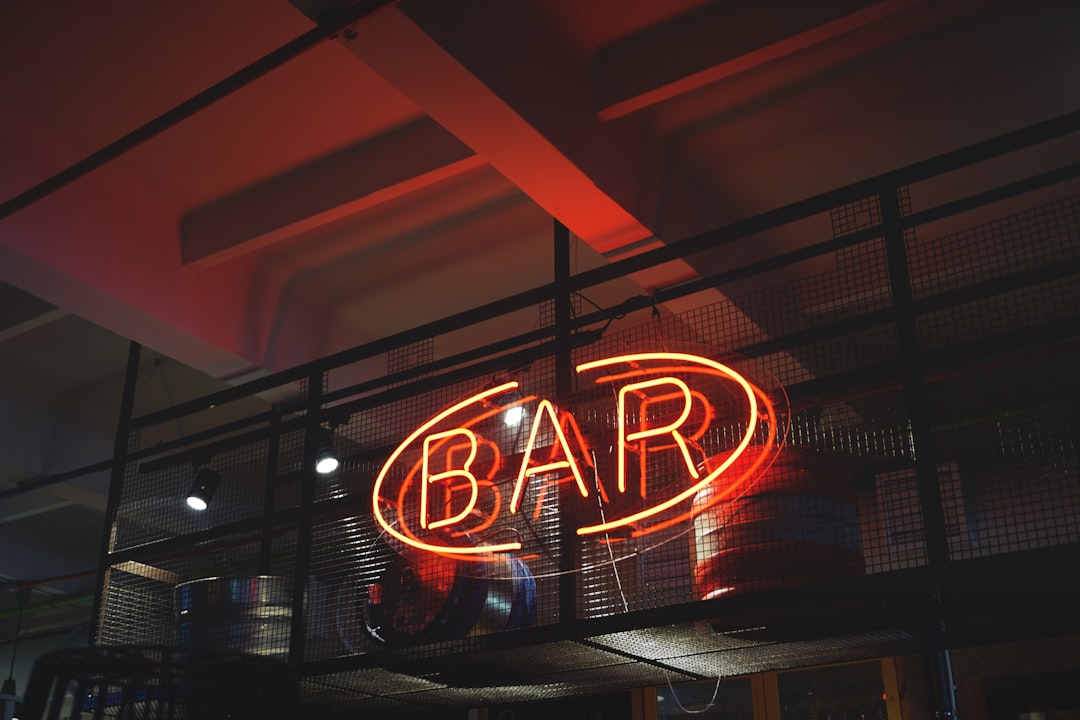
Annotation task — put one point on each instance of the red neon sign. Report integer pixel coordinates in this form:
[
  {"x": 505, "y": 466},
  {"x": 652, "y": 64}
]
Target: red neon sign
[
  {"x": 546, "y": 410},
  {"x": 375, "y": 493},
  {"x": 446, "y": 482},
  {"x": 694, "y": 362}
]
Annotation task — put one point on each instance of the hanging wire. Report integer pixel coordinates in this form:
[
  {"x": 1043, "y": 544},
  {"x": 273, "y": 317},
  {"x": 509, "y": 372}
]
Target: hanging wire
[
  {"x": 658, "y": 322},
  {"x": 607, "y": 536},
  {"x": 149, "y": 376},
  {"x": 159, "y": 367},
  {"x": 708, "y": 706},
  {"x": 168, "y": 393},
  {"x": 634, "y": 302}
]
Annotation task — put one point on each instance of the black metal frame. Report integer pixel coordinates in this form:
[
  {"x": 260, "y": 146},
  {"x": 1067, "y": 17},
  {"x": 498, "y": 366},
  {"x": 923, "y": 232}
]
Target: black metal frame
[{"x": 921, "y": 598}]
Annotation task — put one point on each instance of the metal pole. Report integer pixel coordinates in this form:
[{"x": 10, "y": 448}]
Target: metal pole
[
  {"x": 913, "y": 377},
  {"x": 944, "y": 686},
  {"x": 302, "y": 569},
  {"x": 568, "y": 589},
  {"x": 270, "y": 497},
  {"x": 116, "y": 484}
]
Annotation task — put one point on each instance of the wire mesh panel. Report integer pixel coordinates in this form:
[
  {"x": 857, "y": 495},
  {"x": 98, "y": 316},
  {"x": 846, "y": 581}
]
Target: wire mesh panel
[
  {"x": 1001, "y": 297},
  {"x": 1039, "y": 238},
  {"x": 341, "y": 567},
  {"x": 251, "y": 613},
  {"x": 660, "y": 427},
  {"x": 154, "y": 502},
  {"x": 390, "y": 584},
  {"x": 231, "y": 593},
  {"x": 768, "y": 462},
  {"x": 137, "y": 609},
  {"x": 824, "y": 347},
  {"x": 289, "y": 472}
]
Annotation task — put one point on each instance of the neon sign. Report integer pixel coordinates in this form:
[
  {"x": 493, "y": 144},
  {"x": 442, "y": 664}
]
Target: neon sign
[{"x": 663, "y": 427}]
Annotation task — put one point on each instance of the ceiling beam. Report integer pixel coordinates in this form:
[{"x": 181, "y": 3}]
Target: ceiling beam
[
  {"x": 120, "y": 269},
  {"x": 74, "y": 494},
  {"x": 374, "y": 171},
  {"x": 10, "y": 333},
  {"x": 510, "y": 88},
  {"x": 420, "y": 56},
  {"x": 717, "y": 41},
  {"x": 34, "y": 511}
]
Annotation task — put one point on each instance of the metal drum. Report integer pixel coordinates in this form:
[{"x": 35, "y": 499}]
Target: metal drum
[
  {"x": 798, "y": 524},
  {"x": 426, "y": 597},
  {"x": 249, "y": 614}
]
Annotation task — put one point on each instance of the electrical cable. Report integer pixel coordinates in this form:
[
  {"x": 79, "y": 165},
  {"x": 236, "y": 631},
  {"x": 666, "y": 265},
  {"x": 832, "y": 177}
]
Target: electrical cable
[
  {"x": 634, "y": 302},
  {"x": 168, "y": 394},
  {"x": 586, "y": 299},
  {"x": 607, "y": 536},
  {"x": 708, "y": 706}
]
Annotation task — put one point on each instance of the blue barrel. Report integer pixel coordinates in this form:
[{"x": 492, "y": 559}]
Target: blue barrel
[
  {"x": 425, "y": 597},
  {"x": 249, "y": 614},
  {"x": 797, "y": 524}
]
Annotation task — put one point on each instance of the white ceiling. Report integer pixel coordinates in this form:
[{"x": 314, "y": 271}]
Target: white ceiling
[{"x": 410, "y": 168}]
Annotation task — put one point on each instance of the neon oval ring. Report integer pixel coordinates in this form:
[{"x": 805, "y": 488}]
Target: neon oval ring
[
  {"x": 692, "y": 490},
  {"x": 420, "y": 545}
]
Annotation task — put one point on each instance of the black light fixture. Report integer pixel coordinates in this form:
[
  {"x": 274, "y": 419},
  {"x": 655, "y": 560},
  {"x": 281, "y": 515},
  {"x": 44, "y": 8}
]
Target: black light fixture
[
  {"x": 325, "y": 456},
  {"x": 203, "y": 487}
]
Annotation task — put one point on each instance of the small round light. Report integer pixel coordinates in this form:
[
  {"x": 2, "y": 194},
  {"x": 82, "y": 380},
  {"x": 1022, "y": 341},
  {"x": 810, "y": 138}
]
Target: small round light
[
  {"x": 326, "y": 465},
  {"x": 513, "y": 415},
  {"x": 196, "y": 503}
]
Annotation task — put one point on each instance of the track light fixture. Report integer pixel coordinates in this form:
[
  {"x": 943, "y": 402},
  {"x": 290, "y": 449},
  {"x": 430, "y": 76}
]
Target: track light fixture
[
  {"x": 325, "y": 456},
  {"x": 203, "y": 487}
]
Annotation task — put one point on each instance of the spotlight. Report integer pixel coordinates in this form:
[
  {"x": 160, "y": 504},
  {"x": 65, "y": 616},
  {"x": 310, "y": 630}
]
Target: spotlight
[
  {"x": 513, "y": 415},
  {"x": 512, "y": 405},
  {"x": 203, "y": 488},
  {"x": 326, "y": 460}
]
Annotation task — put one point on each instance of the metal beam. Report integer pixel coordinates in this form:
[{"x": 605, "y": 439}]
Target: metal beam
[
  {"x": 33, "y": 512},
  {"x": 367, "y": 174},
  {"x": 717, "y": 41},
  {"x": 10, "y": 333}
]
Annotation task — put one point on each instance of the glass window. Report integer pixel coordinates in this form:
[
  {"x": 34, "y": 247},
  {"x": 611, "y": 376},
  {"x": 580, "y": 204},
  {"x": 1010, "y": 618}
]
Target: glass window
[
  {"x": 844, "y": 692},
  {"x": 1043, "y": 696},
  {"x": 732, "y": 700}
]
